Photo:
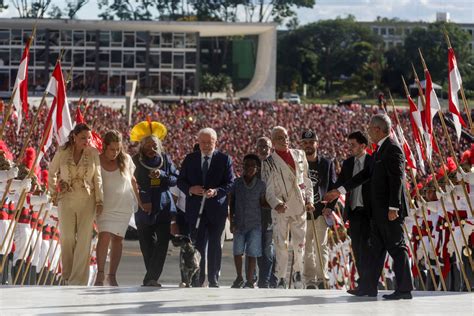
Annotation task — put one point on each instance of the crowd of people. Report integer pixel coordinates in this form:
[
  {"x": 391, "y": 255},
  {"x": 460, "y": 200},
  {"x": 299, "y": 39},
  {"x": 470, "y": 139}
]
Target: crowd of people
[{"x": 286, "y": 160}]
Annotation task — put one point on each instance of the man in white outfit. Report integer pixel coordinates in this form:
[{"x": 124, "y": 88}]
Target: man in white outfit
[{"x": 290, "y": 194}]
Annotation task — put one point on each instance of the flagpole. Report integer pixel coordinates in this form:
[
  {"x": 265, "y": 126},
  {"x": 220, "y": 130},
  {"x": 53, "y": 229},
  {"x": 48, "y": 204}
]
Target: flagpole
[
  {"x": 463, "y": 96},
  {"x": 441, "y": 199},
  {"x": 422, "y": 202},
  {"x": 451, "y": 148},
  {"x": 22, "y": 198},
  {"x": 448, "y": 182},
  {"x": 425, "y": 252}
]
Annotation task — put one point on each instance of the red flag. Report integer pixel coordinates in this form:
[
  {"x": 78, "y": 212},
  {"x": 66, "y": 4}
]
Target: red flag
[
  {"x": 20, "y": 100},
  {"x": 96, "y": 140},
  {"x": 62, "y": 118},
  {"x": 79, "y": 117},
  {"x": 455, "y": 82},
  {"x": 417, "y": 128}
]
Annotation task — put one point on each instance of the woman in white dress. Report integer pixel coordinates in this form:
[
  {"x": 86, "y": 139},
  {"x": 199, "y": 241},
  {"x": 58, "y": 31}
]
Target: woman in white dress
[{"x": 120, "y": 201}]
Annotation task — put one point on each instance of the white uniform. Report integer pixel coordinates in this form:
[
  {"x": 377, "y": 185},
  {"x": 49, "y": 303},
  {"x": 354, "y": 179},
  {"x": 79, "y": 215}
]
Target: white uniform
[{"x": 293, "y": 187}]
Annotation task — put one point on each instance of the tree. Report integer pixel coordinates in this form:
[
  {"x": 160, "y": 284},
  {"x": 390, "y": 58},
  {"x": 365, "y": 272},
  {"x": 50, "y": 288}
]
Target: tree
[
  {"x": 432, "y": 43},
  {"x": 70, "y": 10},
  {"x": 3, "y": 6},
  {"x": 31, "y": 9}
]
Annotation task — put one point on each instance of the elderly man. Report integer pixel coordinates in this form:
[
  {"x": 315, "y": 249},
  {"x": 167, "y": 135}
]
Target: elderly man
[
  {"x": 266, "y": 263},
  {"x": 207, "y": 173},
  {"x": 388, "y": 209},
  {"x": 155, "y": 174},
  {"x": 290, "y": 194}
]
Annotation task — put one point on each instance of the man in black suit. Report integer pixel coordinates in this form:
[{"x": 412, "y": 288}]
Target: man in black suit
[
  {"x": 208, "y": 173},
  {"x": 388, "y": 209},
  {"x": 357, "y": 208},
  {"x": 323, "y": 176}
]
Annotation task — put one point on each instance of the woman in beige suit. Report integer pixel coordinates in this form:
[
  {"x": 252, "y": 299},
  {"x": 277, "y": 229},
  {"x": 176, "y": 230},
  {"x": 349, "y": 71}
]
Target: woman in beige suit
[{"x": 76, "y": 185}]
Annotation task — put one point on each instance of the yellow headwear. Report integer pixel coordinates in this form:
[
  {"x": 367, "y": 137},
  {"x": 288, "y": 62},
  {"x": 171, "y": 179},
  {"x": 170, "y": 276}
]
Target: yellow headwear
[{"x": 147, "y": 128}]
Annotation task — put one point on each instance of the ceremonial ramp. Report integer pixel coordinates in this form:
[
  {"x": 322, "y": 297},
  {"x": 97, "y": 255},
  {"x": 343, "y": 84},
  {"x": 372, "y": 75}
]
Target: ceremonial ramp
[{"x": 205, "y": 301}]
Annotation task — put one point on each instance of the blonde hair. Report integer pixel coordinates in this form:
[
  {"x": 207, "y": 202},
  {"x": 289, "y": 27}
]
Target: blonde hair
[{"x": 114, "y": 136}]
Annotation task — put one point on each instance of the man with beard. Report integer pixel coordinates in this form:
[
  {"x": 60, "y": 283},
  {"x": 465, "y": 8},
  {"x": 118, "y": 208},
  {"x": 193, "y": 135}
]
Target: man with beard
[
  {"x": 289, "y": 193},
  {"x": 323, "y": 176}
]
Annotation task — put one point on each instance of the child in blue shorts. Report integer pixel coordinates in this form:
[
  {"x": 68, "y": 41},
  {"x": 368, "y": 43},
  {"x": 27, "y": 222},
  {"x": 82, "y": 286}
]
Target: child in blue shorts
[{"x": 246, "y": 199}]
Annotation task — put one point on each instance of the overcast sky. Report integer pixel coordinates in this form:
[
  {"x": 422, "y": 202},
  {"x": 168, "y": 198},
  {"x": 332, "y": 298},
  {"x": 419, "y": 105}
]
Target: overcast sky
[{"x": 461, "y": 11}]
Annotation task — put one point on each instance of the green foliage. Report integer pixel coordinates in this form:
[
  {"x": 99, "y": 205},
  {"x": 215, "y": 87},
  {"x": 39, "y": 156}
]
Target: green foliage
[
  {"x": 3, "y": 6},
  {"x": 214, "y": 83}
]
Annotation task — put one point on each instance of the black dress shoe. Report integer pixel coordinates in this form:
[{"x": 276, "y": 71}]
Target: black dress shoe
[
  {"x": 360, "y": 293},
  {"x": 214, "y": 284},
  {"x": 398, "y": 296}
]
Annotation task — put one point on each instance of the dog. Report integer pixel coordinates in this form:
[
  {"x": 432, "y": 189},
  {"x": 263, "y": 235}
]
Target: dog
[{"x": 189, "y": 259}]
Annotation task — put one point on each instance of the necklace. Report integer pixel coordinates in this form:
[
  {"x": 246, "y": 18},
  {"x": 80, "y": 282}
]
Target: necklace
[{"x": 151, "y": 168}]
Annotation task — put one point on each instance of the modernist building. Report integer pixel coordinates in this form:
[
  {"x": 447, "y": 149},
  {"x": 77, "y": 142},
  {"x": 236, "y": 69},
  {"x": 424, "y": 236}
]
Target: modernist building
[{"x": 164, "y": 57}]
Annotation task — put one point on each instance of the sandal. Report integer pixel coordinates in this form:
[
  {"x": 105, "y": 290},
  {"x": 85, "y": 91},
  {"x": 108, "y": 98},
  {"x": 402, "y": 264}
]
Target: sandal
[{"x": 99, "y": 279}]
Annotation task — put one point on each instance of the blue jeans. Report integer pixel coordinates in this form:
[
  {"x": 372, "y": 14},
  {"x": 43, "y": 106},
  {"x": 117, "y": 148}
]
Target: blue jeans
[{"x": 266, "y": 274}]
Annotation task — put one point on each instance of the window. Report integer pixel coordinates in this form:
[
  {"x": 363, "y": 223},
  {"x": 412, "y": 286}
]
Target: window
[
  {"x": 375, "y": 30},
  {"x": 140, "y": 58},
  {"x": 178, "y": 40},
  {"x": 190, "y": 40},
  {"x": 155, "y": 40},
  {"x": 104, "y": 40},
  {"x": 78, "y": 38},
  {"x": 16, "y": 37},
  {"x": 40, "y": 38},
  {"x": 154, "y": 87},
  {"x": 4, "y": 37},
  {"x": 178, "y": 84},
  {"x": 4, "y": 80},
  {"x": 166, "y": 60},
  {"x": 383, "y": 31},
  {"x": 129, "y": 39},
  {"x": 128, "y": 60},
  {"x": 103, "y": 82},
  {"x": 154, "y": 61},
  {"x": 77, "y": 83},
  {"x": 391, "y": 31},
  {"x": 116, "y": 39},
  {"x": 190, "y": 59},
  {"x": 116, "y": 58},
  {"x": 178, "y": 60},
  {"x": 90, "y": 57},
  {"x": 40, "y": 81},
  {"x": 78, "y": 58},
  {"x": 167, "y": 40},
  {"x": 66, "y": 38},
  {"x": 190, "y": 83},
  {"x": 53, "y": 57},
  {"x": 26, "y": 35},
  {"x": 141, "y": 40},
  {"x": 407, "y": 31},
  {"x": 40, "y": 57},
  {"x": 66, "y": 61},
  {"x": 4, "y": 57},
  {"x": 53, "y": 38},
  {"x": 91, "y": 38},
  {"x": 15, "y": 56},
  {"x": 165, "y": 83},
  {"x": 104, "y": 58}
]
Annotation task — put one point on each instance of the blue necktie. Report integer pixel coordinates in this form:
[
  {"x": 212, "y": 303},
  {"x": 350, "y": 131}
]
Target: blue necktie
[{"x": 205, "y": 168}]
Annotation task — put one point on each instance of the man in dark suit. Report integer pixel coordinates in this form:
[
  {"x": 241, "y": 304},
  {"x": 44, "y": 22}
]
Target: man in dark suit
[
  {"x": 357, "y": 208},
  {"x": 208, "y": 173},
  {"x": 323, "y": 177},
  {"x": 388, "y": 209}
]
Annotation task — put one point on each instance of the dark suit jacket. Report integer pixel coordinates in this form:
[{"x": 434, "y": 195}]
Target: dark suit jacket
[
  {"x": 220, "y": 176},
  {"x": 346, "y": 174},
  {"x": 327, "y": 178},
  {"x": 387, "y": 180}
]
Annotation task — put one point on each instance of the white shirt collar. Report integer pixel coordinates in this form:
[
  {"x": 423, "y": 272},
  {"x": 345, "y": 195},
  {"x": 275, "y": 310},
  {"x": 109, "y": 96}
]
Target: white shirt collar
[
  {"x": 210, "y": 157},
  {"x": 379, "y": 144},
  {"x": 361, "y": 159}
]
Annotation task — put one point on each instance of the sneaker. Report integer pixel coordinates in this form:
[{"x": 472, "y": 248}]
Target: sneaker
[
  {"x": 249, "y": 285},
  {"x": 239, "y": 281},
  {"x": 297, "y": 282},
  {"x": 281, "y": 284}
]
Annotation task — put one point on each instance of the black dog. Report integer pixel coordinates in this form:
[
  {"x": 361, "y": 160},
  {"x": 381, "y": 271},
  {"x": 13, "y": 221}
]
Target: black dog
[{"x": 189, "y": 258}]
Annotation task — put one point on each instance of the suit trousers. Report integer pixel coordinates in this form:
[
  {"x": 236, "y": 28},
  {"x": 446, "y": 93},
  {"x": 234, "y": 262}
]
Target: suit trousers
[
  {"x": 359, "y": 231},
  {"x": 76, "y": 217},
  {"x": 387, "y": 236},
  {"x": 296, "y": 224},
  {"x": 313, "y": 272},
  {"x": 154, "y": 241},
  {"x": 208, "y": 238}
]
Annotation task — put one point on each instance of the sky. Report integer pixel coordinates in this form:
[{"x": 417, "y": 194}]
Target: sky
[{"x": 461, "y": 11}]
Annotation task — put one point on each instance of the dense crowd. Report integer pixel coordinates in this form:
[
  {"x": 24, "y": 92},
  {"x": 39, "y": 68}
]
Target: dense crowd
[{"x": 238, "y": 125}]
